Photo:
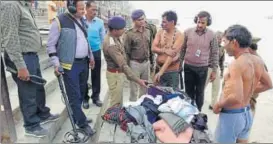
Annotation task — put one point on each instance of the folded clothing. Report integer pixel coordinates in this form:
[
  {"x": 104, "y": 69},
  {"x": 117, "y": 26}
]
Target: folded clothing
[
  {"x": 199, "y": 122},
  {"x": 118, "y": 115},
  {"x": 180, "y": 107},
  {"x": 139, "y": 114},
  {"x": 176, "y": 123},
  {"x": 165, "y": 134},
  {"x": 200, "y": 137},
  {"x": 151, "y": 109}
]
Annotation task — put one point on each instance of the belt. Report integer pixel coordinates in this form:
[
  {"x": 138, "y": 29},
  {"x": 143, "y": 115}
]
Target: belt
[
  {"x": 29, "y": 53},
  {"x": 240, "y": 110},
  {"x": 81, "y": 59},
  {"x": 140, "y": 61},
  {"x": 113, "y": 70}
]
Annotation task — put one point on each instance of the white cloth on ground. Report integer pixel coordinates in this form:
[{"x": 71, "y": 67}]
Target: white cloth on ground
[
  {"x": 157, "y": 100},
  {"x": 179, "y": 107}
]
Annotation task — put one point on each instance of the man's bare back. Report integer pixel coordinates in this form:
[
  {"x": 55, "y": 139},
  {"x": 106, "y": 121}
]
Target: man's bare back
[{"x": 243, "y": 76}]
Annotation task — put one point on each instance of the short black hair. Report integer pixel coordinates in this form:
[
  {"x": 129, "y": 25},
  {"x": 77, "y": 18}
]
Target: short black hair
[
  {"x": 89, "y": 3},
  {"x": 170, "y": 16},
  {"x": 240, "y": 33},
  {"x": 203, "y": 14},
  {"x": 254, "y": 46}
]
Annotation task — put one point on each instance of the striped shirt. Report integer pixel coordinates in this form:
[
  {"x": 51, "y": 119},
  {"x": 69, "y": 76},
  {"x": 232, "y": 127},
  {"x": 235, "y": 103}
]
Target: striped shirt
[{"x": 19, "y": 31}]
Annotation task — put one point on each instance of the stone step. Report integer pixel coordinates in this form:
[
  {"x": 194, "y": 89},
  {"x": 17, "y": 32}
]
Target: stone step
[
  {"x": 44, "y": 64},
  {"x": 50, "y": 86},
  {"x": 56, "y": 104}
]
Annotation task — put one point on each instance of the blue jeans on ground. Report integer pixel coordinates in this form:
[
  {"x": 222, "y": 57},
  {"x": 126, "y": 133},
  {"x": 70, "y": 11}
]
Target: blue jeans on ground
[
  {"x": 75, "y": 84},
  {"x": 31, "y": 96}
]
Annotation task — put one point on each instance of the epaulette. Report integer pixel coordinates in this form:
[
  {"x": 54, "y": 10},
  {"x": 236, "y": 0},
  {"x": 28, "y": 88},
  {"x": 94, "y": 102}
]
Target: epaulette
[
  {"x": 111, "y": 42},
  {"x": 130, "y": 29}
]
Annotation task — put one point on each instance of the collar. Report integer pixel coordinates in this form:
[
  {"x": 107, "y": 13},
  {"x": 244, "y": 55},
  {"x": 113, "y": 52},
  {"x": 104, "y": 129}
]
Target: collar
[
  {"x": 206, "y": 29},
  {"x": 93, "y": 20},
  {"x": 25, "y": 3},
  {"x": 137, "y": 30}
]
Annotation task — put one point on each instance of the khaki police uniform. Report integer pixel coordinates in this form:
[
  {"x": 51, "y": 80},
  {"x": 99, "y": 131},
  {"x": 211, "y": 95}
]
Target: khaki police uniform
[
  {"x": 117, "y": 66},
  {"x": 137, "y": 47}
]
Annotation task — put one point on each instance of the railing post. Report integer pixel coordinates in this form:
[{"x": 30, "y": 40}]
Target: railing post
[{"x": 7, "y": 131}]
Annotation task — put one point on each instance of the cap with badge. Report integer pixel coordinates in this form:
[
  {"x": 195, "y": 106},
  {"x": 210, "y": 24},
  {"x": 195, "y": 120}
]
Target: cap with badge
[
  {"x": 117, "y": 22},
  {"x": 137, "y": 14}
]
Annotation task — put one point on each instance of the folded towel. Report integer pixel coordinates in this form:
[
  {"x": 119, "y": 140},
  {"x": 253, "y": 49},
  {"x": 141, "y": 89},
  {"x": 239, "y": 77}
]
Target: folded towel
[{"x": 176, "y": 123}]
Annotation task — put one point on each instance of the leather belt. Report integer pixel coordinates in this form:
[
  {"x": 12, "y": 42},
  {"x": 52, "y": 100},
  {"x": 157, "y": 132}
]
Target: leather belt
[
  {"x": 81, "y": 59},
  {"x": 113, "y": 70},
  {"x": 239, "y": 110},
  {"x": 29, "y": 53}
]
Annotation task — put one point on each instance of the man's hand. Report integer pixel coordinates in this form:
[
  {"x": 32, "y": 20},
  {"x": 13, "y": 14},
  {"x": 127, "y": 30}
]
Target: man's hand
[
  {"x": 170, "y": 52},
  {"x": 23, "y": 74},
  {"x": 216, "y": 108},
  {"x": 57, "y": 71},
  {"x": 212, "y": 76},
  {"x": 92, "y": 63},
  {"x": 142, "y": 83},
  {"x": 157, "y": 78}
]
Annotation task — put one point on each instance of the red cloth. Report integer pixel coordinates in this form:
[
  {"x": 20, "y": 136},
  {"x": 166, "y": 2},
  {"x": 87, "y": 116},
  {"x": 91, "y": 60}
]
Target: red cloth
[{"x": 165, "y": 134}]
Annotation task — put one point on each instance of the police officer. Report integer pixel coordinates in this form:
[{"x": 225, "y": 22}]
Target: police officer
[
  {"x": 115, "y": 57},
  {"x": 137, "y": 46}
]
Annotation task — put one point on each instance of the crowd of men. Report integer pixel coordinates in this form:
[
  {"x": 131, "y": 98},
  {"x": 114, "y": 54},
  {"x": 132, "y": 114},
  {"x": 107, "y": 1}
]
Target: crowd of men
[{"x": 78, "y": 38}]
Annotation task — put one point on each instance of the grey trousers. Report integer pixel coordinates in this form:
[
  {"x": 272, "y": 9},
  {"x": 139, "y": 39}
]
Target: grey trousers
[{"x": 141, "y": 70}]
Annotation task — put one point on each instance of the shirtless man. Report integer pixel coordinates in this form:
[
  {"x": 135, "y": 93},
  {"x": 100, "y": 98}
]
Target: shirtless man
[
  {"x": 246, "y": 75},
  {"x": 167, "y": 45}
]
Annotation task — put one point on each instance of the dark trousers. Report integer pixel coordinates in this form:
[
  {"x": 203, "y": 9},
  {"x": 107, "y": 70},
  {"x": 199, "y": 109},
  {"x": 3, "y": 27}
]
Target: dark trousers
[
  {"x": 31, "y": 96},
  {"x": 95, "y": 78},
  {"x": 195, "y": 80},
  {"x": 170, "y": 79},
  {"x": 75, "y": 84}
]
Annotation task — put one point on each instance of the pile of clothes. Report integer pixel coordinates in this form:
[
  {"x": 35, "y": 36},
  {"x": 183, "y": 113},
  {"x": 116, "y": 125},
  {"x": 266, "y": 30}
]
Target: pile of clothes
[{"x": 170, "y": 117}]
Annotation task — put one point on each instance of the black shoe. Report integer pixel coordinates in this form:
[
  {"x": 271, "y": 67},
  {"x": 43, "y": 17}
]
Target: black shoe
[
  {"x": 88, "y": 130},
  {"x": 38, "y": 132},
  {"x": 210, "y": 107},
  {"x": 51, "y": 118},
  {"x": 98, "y": 103},
  {"x": 85, "y": 104},
  {"x": 89, "y": 120}
]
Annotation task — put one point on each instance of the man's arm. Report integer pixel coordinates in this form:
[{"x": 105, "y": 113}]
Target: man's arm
[
  {"x": 102, "y": 33},
  {"x": 121, "y": 62},
  {"x": 53, "y": 38},
  {"x": 184, "y": 47},
  {"x": 10, "y": 15},
  {"x": 127, "y": 46},
  {"x": 155, "y": 45},
  {"x": 177, "y": 48},
  {"x": 264, "y": 84},
  {"x": 214, "y": 56},
  {"x": 233, "y": 88},
  {"x": 221, "y": 63}
]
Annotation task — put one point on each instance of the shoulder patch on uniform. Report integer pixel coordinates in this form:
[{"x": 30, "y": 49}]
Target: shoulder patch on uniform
[
  {"x": 111, "y": 42},
  {"x": 130, "y": 29}
]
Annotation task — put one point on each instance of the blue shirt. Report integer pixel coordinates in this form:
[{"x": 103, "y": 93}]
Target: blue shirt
[{"x": 96, "y": 33}]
